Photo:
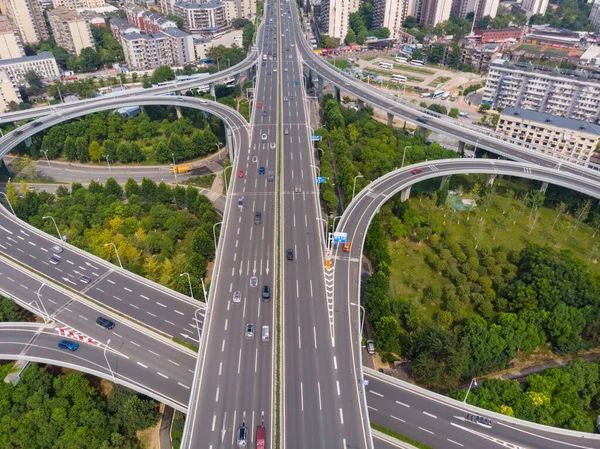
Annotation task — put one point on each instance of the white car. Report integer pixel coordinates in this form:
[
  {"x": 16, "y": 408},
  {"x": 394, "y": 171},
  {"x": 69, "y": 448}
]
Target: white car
[
  {"x": 264, "y": 137},
  {"x": 237, "y": 296},
  {"x": 272, "y": 145}
]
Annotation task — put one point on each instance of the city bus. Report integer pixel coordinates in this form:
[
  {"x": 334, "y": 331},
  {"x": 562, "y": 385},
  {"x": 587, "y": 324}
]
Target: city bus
[
  {"x": 386, "y": 65},
  {"x": 417, "y": 62},
  {"x": 399, "y": 78},
  {"x": 446, "y": 95},
  {"x": 437, "y": 94}
]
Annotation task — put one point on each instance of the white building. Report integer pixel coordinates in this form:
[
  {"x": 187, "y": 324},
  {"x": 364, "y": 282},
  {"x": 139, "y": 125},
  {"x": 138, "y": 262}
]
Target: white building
[
  {"x": 27, "y": 17},
  {"x": 201, "y": 46},
  {"x": 231, "y": 10},
  {"x": 481, "y": 8},
  {"x": 535, "y": 6},
  {"x": 8, "y": 92},
  {"x": 74, "y": 4},
  {"x": 434, "y": 11},
  {"x": 570, "y": 137},
  {"x": 335, "y": 16},
  {"x": 595, "y": 15},
  {"x": 247, "y": 8},
  {"x": 392, "y": 13},
  {"x": 205, "y": 19},
  {"x": 70, "y": 30},
  {"x": 182, "y": 46},
  {"x": 10, "y": 41},
  {"x": 563, "y": 93},
  {"x": 43, "y": 64},
  {"x": 146, "y": 51}
]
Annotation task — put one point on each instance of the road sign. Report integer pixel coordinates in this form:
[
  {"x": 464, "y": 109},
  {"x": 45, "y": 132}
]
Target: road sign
[
  {"x": 296, "y": 83},
  {"x": 316, "y": 138},
  {"x": 64, "y": 238},
  {"x": 321, "y": 180},
  {"x": 365, "y": 382},
  {"x": 339, "y": 237}
]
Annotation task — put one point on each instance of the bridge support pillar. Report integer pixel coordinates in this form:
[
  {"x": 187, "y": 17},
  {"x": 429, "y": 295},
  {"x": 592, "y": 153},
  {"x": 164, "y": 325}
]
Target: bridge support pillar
[
  {"x": 236, "y": 78},
  {"x": 360, "y": 103},
  {"x": 461, "y": 147},
  {"x": 423, "y": 131},
  {"x": 338, "y": 95},
  {"x": 178, "y": 111},
  {"x": 212, "y": 89},
  {"x": 229, "y": 143},
  {"x": 444, "y": 181},
  {"x": 544, "y": 187},
  {"x": 27, "y": 142},
  {"x": 390, "y": 118},
  {"x": 320, "y": 88},
  {"x": 490, "y": 180},
  {"x": 405, "y": 194}
]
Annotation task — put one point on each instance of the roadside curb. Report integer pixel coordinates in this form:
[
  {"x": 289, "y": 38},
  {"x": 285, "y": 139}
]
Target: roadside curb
[{"x": 391, "y": 440}]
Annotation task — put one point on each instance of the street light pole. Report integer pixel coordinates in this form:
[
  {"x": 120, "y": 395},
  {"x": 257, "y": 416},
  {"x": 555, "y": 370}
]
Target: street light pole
[
  {"x": 218, "y": 144},
  {"x": 404, "y": 154},
  {"x": 107, "y": 163},
  {"x": 174, "y": 168},
  {"x": 189, "y": 282},
  {"x": 55, "y": 225},
  {"x": 106, "y": 358},
  {"x": 42, "y": 304},
  {"x": 334, "y": 218},
  {"x": 46, "y": 154},
  {"x": 354, "y": 185},
  {"x": 11, "y": 208},
  {"x": 214, "y": 234},
  {"x": 203, "y": 290},
  {"x": 318, "y": 170},
  {"x": 226, "y": 183},
  {"x": 116, "y": 252},
  {"x": 362, "y": 324},
  {"x": 473, "y": 381}
]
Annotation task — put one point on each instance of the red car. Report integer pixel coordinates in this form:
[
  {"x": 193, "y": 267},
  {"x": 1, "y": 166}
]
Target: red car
[
  {"x": 240, "y": 173},
  {"x": 259, "y": 104},
  {"x": 417, "y": 171}
]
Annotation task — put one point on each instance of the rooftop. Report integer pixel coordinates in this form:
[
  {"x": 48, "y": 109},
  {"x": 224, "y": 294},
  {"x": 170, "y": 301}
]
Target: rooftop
[
  {"x": 5, "y": 25},
  {"x": 552, "y": 120},
  {"x": 175, "y": 32},
  {"x": 210, "y": 5},
  {"x": 580, "y": 75},
  {"x": 65, "y": 14},
  {"x": 40, "y": 57}
]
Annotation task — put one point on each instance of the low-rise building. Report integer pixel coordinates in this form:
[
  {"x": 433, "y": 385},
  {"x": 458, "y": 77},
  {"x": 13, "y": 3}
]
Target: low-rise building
[
  {"x": 480, "y": 56},
  {"x": 93, "y": 18},
  {"x": 10, "y": 41},
  {"x": 500, "y": 35},
  {"x": 8, "y": 92},
  {"x": 74, "y": 4},
  {"x": 71, "y": 31},
  {"x": 205, "y": 19},
  {"x": 155, "y": 23},
  {"x": 573, "y": 138},
  {"x": 201, "y": 46},
  {"x": 43, "y": 64}
]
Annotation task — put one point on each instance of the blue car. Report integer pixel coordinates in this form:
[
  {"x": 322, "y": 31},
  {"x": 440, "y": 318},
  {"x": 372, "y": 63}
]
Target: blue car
[
  {"x": 296, "y": 83},
  {"x": 68, "y": 344},
  {"x": 261, "y": 171}
]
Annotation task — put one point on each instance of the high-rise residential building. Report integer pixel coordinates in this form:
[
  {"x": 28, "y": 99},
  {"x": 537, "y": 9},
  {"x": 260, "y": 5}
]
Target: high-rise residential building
[
  {"x": 146, "y": 51},
  {"x": 74, "y": 4},
  {"x": 43, "y": 64},
  {"x": 8, "y": 92},
  {"x": 10, "y": 41},
  {"x": 205, "y": 19},
  {"x": 71, "y": 31},
  {"x": 595, "y": 15},
  {"x": 182, "y": 46},
  {"x": 535, "y": 6},
  {"x": 335, "y": 17},
  {"x": 27, "y": 17},
  {"x": 118, "y": 27},
  {"x": 564, "y": 93},
  {"x": 392, "y": 13},
  {"x": 231, "y": 10},
  {"x": 434, "y": 11},
  {"x": 247, "y": 8},
  {"x": 481, "y": 8}
]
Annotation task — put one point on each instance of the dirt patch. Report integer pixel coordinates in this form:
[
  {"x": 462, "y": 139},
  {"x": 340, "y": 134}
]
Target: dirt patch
[
  {"x": 149, "y": 437},
  {"x": 106, "y": 387}
]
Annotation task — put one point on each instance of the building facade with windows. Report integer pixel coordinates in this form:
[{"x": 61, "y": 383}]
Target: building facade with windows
[
  {"x": 74, "y": 4},
  {"x": 434, "y": 11},
  {"x": 10, "y": 41},
  {"x": 146, "y": 51},
  {"x": 392, "y": 13},
  {"x": 201, "y": 19},
  {"x": 334, "y": 19},
  {"x": 70, "y": 30},
  {"x": 535, "y": 6},
  {"x": 573, "y": 138},
  {"x": 43, "y": 64},
  {"x": 595, "y": 15},
  {"x": 9, "y": 91},
  {"x": 182, "y": 46},
  {"x": 565, "y": 93},
  {"x": 27, "y": 17}
]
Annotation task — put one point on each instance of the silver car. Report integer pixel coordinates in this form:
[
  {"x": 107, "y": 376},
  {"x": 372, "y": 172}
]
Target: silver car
[
  {"x": 249, "y": 331},
  {"x": 271, "y": 176},
  {"x": 237, "y": 296}
]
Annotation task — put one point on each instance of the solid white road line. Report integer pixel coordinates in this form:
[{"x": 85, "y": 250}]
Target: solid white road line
[
  {"x": 399, "y": 419},
  {"x": 403, "y": 404},
  {"x": 429, "y": 414},
  {"x": 425, "y": 430},
  {"x": 375, "y": 393}
]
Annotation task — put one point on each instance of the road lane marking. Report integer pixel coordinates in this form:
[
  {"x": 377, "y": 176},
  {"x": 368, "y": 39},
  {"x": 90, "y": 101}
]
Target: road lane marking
[
  {"x": 112, "y": 282},
  {"x": 142, "y": 365},
  {"x": 403, "y": 404},
  {"x": 134, "y": 343},
  {"x": 452, "y": 441},
  {"x": 162, "y": 375},
  {"x": 134, "y": 306},
  {"x": 128, "y": 289},
  {"x": 240, "y": 361},
  {"x": 167, "y": 321},
  {"x": 425, "y": 430},
  {"x": 183, "y": 385},
  {"x": 337, "y": 385},
  {"x": 429, "y": 414},
  {"x": 151, "y": 314},
  {"x": 375, "y": 393},
  {"x": 145, "y": 297},
  {"x": 217, "y": 395},
  {"x": 160, "y": 304},
  {"x": 81, "y": 316},
  {"x": 299, "y": 339},
  {"x": 372, "y": 408},
  {"x": 315, "y": 336},
  {"x": 174, "y": 363},
  {"x": 226, "y": 322},
  {"x": 301, "y": 397},
  {"x": 155, "y": 353},
  {"x": 341, "y": 416},
  {"x": 100, "y": 290},
  {"x": 180, "y": 313},
  {"x": 396, "y": 418},
  {"x": 319, "y": 388},
  {"x": 335, "y": 362},
  {"x": 116, "y": 297}
]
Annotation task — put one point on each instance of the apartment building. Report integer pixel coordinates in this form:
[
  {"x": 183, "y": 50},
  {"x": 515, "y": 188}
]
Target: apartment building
[
  {"x": 119, "y": 27},
  {"x": 564, "y": 93},
  {"x": 26, "y": 16},
  {"x": 70, "y": 30},
  {"x": 595, "y": 15},
  {"x": 8, "y": 92},
  {"x": 182, "y": 46},
  {"x": 479, "y": 56},
  {"x": 535, "y": 6},
  {"x": 247, "y": 8},
  {"x": 147, "y": 51},
  {"x": 10, "y": 41},
  {"x": 43, "y": 64},
  {"x": 201, "y": 47},
  {"x": 74, "y": 4},
  {"x": 335, "y": 16},
  {"x": 434, "y": 11},
  {"x": 204, "y": 19},
  {"x": 231, "y": 9},
  {"x": 480, "y": 7},
  {"x": 391, "y": 14},
  {"x": 573, "y": 138}
]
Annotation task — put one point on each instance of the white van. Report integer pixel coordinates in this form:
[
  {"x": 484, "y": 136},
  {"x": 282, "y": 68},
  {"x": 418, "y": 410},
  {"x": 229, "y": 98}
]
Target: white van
[{"x": 265, "y": 334}]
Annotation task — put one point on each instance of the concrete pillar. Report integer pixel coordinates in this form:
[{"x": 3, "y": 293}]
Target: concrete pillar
[
  {"x": 461, "y": 147},
  {"x": 361, "y": 104},
  {"x": 320, "y": 88},
  {"x": 229, "y": 143},
  {"x": 405, "y": 194},
  {"x": 444, "y": 181},
  {"x": 423, "y": 131},
  {"x": 142, "y": 110},
  {"x": 338, "y": 95},
  {"x": 27, "y": 142},
  {"x": 178, "y": 111},
  {"x": 236, "y": 78},
  {"x": 490, "y": 180},
  {"x": 390, "y": 119},
  {"x": 544, "y": 187},
  {"x": 212, "y": 89}
]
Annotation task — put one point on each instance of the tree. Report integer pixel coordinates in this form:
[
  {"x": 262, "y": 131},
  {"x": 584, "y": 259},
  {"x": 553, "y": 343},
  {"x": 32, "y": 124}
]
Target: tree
[
  {"x": 148, "y": 189},
  {"x": 361, "y": 36},
  {"x": 94, "y": 151},
  {"x": 350, "y": 37},
  {"x": 387, "y": 332},
  {"x": 91, "y": 59},
  {"x": 435, "y": 54},
  {"x": 112, "y": 187},
  {"x": 178, "y": 20},
  {"x": 453, "y": 113},
  {"x": 162, "y": 74},
  {"x": 327, "y": 42},
  {"x": 138, "y": 414},
  {"x": 410, "y": 22},
  {"x": 239, "y": 23},
  {"x": 34, "y": 84},
  {"x": 248, "y": 35},
  {"x": 132, "y": 188}
]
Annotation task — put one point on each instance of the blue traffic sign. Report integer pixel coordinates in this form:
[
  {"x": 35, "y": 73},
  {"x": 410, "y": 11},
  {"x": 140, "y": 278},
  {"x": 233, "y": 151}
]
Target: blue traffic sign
[
  {"x": 296, "y": 83},
  {"x": 315, "y": 138},
  {"x": 339, "y": 237},
  {"x": 321, "y": 180}
]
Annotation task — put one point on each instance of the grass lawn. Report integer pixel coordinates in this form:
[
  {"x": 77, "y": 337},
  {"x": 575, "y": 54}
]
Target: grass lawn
[
  {"x": 412, "y": 68},
  {"x": 556, "y": 51},
  {"x": 340, "y": 63},
  {"x": 370, "y": 58},
  {"x": 528, "y": 47},
  {"x": 201, "y": 181},
  {"x": 439, "y": 80},
  {"x": 410, "y": 273}
]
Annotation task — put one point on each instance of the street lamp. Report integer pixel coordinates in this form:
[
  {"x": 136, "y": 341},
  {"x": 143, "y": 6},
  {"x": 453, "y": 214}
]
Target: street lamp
[
  {"x": 106, "y": 358},
  {"x": 214, "y": 234},
  {"x": 189, "y": 282},
  {"x": 218, "y": 144},
  {"x": 55, "y": 225},
  {"x": 46, "y": 154},
  {"x": 116, "y": 252},
  {"x": 334, "y": 218},
  {"x": 318, "y": 170},
  {"x": 473, "y": 382},
  {"x": 42, "y": 304},
  {"x": 203, "y": 290},
  {"x": 11, "y": 208},
  {"x": 218, "y": 68},
  {"x": 354, "y": 185},
  {"x": 362, "y": 324},
  {"x": 228, "y": 63},
  {"x": 107, "y": 163},
  {"x": 174, "y": 168},
  {"x": 226, "y": 183},
  {"x": 404, "y": 154}
]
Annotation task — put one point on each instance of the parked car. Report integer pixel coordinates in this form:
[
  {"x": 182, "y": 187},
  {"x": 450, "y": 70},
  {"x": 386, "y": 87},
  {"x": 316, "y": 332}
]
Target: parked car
[{"x": 370, "y": 345}]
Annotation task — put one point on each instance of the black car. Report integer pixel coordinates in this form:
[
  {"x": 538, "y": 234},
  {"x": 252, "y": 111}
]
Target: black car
[
  {"x": 17, "y": 132},
  {"x": 266, "y": 293},
  {"x": 257, "y": 217},
  {"x": 105, "y": 322},
  {"x": 36, "y": 123},
  {"x": 422, "y": 119},
  {"x": 265, "y": 113},
  {"x": 289, "y": 254}
]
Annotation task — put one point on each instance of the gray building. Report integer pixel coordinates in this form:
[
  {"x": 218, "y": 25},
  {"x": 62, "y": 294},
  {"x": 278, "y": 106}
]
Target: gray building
[
  {"x": 205, "y": 19},
  {"x": 43, "y": 64}
]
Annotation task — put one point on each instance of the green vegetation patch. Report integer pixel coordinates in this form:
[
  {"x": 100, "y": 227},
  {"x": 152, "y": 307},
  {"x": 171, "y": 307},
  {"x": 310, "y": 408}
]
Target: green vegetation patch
[
  {"x": 414, "y": 69},
  {"x": 528, "y": 47},
  {"x": 177, "y": 429},
  {"x": 556, "y": 51},
  {"x": 399, "y": 436},
  {"x": 439, "y": 80},
  {"x": 201, "y": 181}
]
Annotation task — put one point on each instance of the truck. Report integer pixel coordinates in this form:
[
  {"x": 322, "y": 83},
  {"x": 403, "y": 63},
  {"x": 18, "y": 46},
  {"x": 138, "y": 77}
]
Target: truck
[
  {"x": 261, "y": 434},
  {"x": 180, "y": 169}
]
